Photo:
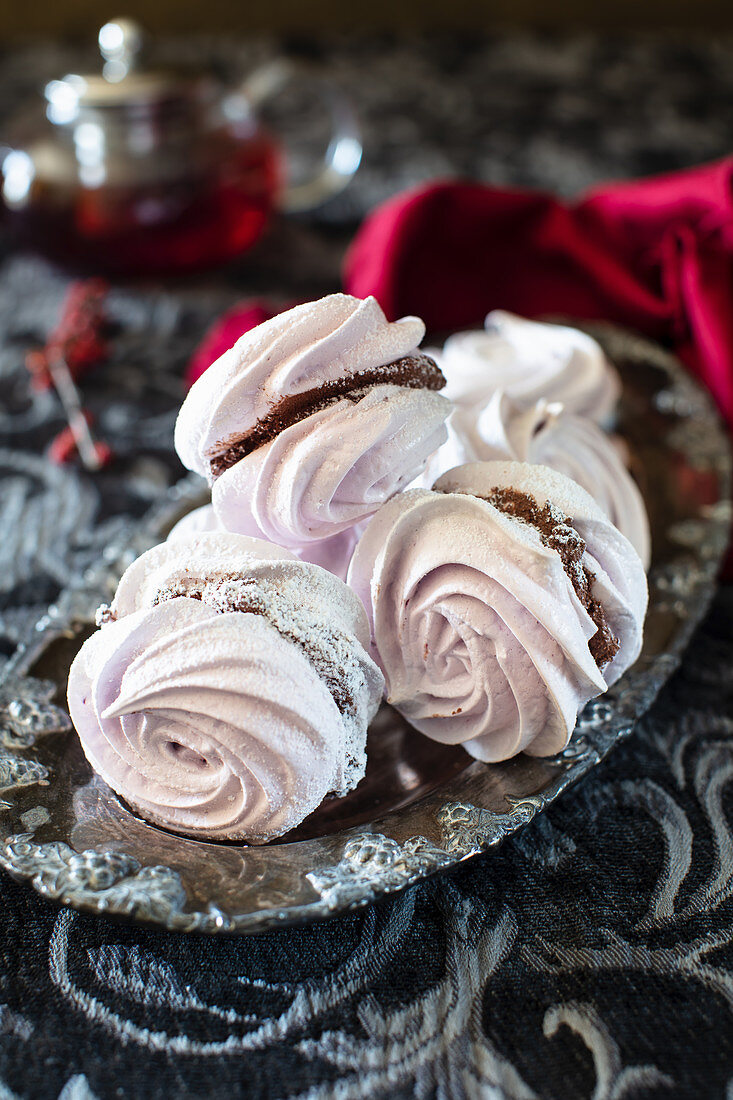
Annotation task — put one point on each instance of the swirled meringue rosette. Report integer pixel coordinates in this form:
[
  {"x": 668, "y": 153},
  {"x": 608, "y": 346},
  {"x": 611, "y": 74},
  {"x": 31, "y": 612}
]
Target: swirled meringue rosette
[
  {"x": 314, "y": 419},
  {"x": 228, "y": 690},
  {"x": 529, "y": 360},
  {"x": 547, "y": 434},
  {"x": 500, "y": 604}
]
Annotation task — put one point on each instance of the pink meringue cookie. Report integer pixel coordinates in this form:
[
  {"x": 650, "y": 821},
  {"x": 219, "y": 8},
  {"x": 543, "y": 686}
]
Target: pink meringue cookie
[
  {"x": 333, "y": 554},
  {"x": 477, "y": 622},
  {"x": 312, "y": 420},
  {"x": 457, "y": 450},
  {"x": 199, "y": 521},
  {"x": 547, "y": 434},
  {"x": 529, "y": 360},
  {"x": 228, "y": 690}
]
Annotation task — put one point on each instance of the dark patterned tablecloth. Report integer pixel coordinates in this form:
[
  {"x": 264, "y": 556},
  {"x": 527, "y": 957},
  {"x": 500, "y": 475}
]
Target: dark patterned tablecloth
[{"x": 591, "y": 956}]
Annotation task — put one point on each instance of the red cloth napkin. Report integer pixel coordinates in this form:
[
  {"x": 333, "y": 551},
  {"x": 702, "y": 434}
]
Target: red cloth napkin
[{"x": 655, "y": 255}]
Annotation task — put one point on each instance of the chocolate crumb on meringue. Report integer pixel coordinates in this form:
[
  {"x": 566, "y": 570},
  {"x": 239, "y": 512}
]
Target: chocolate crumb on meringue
[
  {"x": 495, "y": 617},
  {"x": 329, "y": 650},
  {"x": 415, "y": 372},
  {"x": 548, "y": 434},
  {"x": 557, "y": 532},
  {"x": 220, "y": 724},
  {"x": 313, "y": 419}
]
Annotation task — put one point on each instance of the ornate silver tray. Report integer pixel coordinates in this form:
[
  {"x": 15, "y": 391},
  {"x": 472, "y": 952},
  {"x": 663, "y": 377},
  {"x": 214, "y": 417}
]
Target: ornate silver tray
[{"x": 422, "y": 807}]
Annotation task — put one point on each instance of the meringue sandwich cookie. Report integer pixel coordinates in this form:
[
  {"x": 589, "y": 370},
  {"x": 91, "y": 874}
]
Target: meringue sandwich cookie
[
  {"x": 546, "y": 433},
  {"x": 333, "y": 554},
  {"x": 500, "y": 603},
  {"x": 530, "y": 360},
  {"x": 312, "y": 420},
  {"x": 228, "y": 689}
]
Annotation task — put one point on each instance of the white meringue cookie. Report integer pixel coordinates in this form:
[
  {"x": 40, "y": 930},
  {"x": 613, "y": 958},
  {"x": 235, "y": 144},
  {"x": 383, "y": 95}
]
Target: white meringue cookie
[
  {"x": 333, "y": 554},
  {"x": 547, "y": 434},
  {"x": 218, "y": 722},
  {"x": 529, "y": 360},
  {"x": 476, "y": 624},
  {"x": 337, "y": 465}
]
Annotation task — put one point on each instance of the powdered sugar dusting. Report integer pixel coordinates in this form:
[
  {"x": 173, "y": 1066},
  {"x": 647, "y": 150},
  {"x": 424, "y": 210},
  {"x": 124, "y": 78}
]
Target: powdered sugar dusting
[
  {"x": 230, "y": 690},
  {"x": 333, "y": 653}
]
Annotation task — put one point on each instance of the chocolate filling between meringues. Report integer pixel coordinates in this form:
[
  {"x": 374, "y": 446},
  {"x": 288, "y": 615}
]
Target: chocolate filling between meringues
[
  {"x": 556, "y": 531},
  {"x": 212, "y": 592},
  {"x": 411, "y": 372}
]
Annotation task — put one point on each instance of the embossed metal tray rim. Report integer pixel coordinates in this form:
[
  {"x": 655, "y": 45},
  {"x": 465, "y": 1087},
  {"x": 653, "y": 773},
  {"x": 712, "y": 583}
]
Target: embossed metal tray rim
[{"x": 344, "y": 870}]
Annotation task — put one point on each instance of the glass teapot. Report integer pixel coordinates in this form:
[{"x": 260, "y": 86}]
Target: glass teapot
[{"x": 136, "y": 171}]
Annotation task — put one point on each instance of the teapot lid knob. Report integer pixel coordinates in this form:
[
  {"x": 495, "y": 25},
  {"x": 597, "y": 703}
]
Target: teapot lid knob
[
  {"x": 124, "y": 78},
  {"x": 120, "y": 44}
]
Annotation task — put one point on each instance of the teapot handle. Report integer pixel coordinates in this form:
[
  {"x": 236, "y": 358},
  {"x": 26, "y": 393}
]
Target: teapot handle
[{"x": 343, "y": 155}]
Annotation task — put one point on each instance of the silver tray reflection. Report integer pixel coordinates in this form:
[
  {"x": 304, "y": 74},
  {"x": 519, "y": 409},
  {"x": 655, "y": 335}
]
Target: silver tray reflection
[{"x": 422, "y": 807}]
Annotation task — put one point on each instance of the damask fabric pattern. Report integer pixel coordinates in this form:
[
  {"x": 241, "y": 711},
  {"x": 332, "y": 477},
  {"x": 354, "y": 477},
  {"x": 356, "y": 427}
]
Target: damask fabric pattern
[{"x": 590, "y": 956}]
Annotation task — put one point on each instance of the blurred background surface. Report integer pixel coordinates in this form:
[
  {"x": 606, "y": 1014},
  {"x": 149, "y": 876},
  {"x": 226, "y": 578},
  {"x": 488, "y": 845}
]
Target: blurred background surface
[
  {"x": 74, "y": 16},
  {"x": 549, "y": 95},
  {"x": 561, "y": 110}
]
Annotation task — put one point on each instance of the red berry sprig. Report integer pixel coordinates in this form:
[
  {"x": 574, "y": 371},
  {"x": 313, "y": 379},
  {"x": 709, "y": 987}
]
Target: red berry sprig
[
  {"x": 78, "y": 338},
  {"x": 76, "y": 345}
]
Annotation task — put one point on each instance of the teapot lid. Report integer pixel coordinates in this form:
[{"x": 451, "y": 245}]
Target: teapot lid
[{"x": 122, "y": 81}]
